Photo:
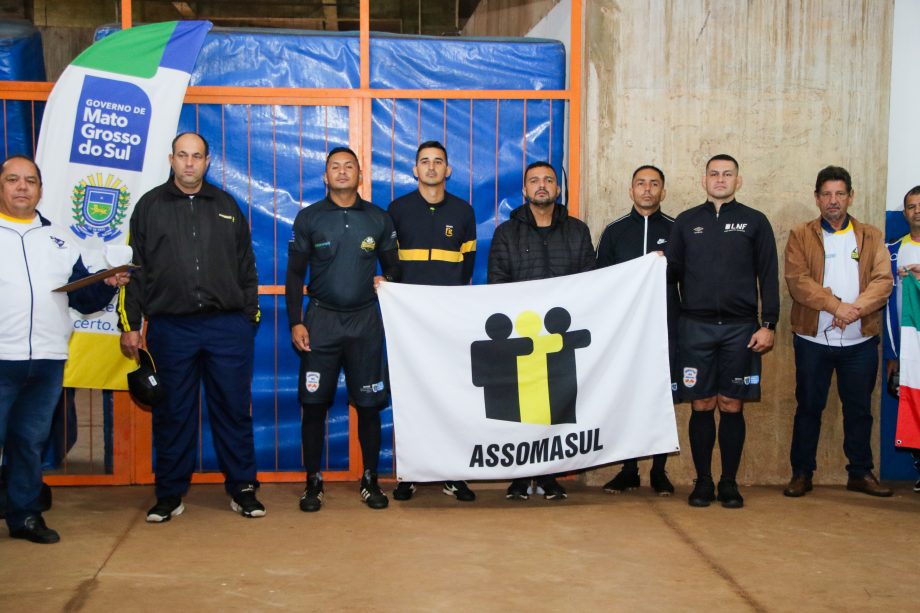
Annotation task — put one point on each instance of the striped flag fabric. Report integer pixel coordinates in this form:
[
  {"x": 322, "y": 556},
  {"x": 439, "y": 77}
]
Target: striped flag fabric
[
  {"x": 908, "y": 428},
  {"x": 103, "y": 144}
]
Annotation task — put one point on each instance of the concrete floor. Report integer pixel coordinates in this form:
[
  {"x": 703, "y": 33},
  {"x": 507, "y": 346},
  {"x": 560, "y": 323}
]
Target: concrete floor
[{"x": 830, "y": 551}]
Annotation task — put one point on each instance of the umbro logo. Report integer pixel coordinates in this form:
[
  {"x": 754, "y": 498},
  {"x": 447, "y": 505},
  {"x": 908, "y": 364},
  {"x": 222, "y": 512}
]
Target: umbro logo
[
  {"x": 662, "y": 241},
  {"x": 698, "y": 230}
]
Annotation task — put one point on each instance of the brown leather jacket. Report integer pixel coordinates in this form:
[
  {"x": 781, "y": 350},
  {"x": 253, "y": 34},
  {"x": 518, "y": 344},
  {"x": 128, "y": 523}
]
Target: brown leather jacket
[{"x": 805, "y": 277}]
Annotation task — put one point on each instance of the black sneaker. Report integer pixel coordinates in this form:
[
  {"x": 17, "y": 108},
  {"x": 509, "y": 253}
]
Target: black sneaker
[
  {"x": 35, "y": 530},
  {"x": 917, "y": 486},
  {"x": 704, "y": 492},
  {"x": 165, "y": 509},
  {"x": 371, "y": 492},
  {"x": 728, "y": 494},
  {"x": 245, "y": 503},
  {"x": 404, "y": 490},
  {"x": 312, "y": 498},
  {"x": 660, "y": 483},
  {"x": 460, "y": 490},
  {"x": 623, "y": 481},
  {"x": 551, "y": 488},
  {"x": 518, "y": 490}
]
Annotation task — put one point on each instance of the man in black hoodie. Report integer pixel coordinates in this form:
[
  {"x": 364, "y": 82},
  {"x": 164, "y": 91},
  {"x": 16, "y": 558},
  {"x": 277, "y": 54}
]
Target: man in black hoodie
[{"x": 539, "y": 241}]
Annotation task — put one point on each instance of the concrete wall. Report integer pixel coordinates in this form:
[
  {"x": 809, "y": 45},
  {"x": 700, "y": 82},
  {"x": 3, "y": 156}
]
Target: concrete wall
[{"x": 787, "y": 87}]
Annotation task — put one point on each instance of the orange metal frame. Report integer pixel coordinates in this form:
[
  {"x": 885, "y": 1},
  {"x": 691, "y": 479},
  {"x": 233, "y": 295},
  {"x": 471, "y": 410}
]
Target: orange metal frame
[{"x": 133, "y": 452}]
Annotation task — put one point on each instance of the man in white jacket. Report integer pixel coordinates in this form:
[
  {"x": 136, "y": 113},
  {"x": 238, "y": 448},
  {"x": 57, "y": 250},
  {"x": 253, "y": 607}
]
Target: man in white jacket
[{"x": 35, "y": 327}]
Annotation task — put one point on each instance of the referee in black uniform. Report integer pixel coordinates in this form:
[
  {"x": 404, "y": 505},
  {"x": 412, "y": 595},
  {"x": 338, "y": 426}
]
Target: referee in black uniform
[
  {"x": 723, "y": 255},
  {"x": 437, "y": 246},
  {"x": 340, "y": 238},
  {"x": 643, "y": 230}
]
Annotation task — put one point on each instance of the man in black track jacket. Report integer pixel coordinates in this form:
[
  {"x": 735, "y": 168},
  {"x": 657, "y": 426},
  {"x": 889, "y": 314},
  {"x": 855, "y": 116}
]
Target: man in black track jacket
[
  {"x": 197, "y": 287},
  {"x": 643, "y": 230},
  {"x": 539, "y": 241},
  {"x": 723, "y": 255}
]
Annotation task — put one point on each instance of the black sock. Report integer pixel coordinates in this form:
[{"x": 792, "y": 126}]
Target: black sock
[
  {"x": 313, "y": 436},
  {"x": 369, "y": 436},
  {"x": 658, "y": 462},
  {"x": 631, "y": 466},
  {"x": 702, "y": 440},
  {"x": 731, "y": 442}
]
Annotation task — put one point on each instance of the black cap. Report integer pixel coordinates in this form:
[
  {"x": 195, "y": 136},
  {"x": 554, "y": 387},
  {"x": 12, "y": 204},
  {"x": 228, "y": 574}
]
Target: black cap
[{"x": 144, "y": 383}]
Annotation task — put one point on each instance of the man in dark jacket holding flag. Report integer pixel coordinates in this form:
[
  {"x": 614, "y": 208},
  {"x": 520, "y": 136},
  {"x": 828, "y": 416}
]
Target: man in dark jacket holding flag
[{"x": 539, "y": 241}]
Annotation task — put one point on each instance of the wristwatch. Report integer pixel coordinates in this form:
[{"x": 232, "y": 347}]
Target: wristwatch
[{"x": 769, "y": 325}]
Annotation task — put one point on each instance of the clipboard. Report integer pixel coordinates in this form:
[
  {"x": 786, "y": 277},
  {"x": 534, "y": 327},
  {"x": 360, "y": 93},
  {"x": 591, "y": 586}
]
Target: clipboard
[{"x": 93, "y": 278}]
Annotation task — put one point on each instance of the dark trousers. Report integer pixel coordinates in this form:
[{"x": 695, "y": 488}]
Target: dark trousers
[
  {"x": 215, "y": 349},
  {"x": 857, "y": 368},
  {"x": 29, "y": 393}
]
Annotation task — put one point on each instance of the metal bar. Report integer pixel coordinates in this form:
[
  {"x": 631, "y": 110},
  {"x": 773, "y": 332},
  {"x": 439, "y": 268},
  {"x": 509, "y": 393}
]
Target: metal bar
[
  {"x": 524, "y": 145},
  {"x": 213, "y": 94},
  {"x": 365, "y": 44},
  {"x": 574, "y": 182},
  {"x": 471, "y": 152},
  {"x": 393, "y": 152},
  {"x": 497, "y": 106},
  {"x": 125, "y": 14}
]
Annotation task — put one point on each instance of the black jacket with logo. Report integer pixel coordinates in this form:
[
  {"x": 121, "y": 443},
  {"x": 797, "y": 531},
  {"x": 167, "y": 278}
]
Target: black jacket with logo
[
  {"x": 722, "y": 261},
  {"x": 195, "y": 256},
  {"x": 633, "y": 235},
  {"x": 523, "y": 252}
]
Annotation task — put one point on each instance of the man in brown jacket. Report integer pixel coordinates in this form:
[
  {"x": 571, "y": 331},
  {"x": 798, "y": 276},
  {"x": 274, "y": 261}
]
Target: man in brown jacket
[{"x": 839, "y": 276}]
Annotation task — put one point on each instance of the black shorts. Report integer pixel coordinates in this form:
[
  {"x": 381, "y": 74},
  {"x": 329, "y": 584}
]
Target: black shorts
[
  {"x": 714, "y": 359},
  {"x": 349, "y": 339}
]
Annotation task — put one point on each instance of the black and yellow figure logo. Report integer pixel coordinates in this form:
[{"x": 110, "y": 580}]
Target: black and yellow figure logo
[{"x": 530, "y": 379}]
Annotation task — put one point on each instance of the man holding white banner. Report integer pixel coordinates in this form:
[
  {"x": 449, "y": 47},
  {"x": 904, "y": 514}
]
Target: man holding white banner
[
  {"x": 539, "y": 241},
  {"x": 340, "y": 239},
  {"x": 646, "y": 228},
  {"x": 436, "y": 233}
]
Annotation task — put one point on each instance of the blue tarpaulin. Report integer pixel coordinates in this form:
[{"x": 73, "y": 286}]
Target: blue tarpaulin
[{"x": 21, "y": 59}]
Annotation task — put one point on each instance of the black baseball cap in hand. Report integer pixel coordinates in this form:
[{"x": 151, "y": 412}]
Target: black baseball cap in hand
[{"x": 144, "y": 383}]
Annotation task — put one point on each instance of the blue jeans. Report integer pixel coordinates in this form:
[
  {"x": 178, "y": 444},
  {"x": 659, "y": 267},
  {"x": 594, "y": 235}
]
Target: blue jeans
[
  {"x": 29, "y": 393},
  {"x": 857, "y": 370},
  {"x": 215, "y": 349}
]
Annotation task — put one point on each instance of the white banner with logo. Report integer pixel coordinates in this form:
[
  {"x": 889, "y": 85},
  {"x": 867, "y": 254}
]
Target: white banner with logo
[
  {"x": 532, "y": 378},
  {"x": 104, "y": 142}
]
